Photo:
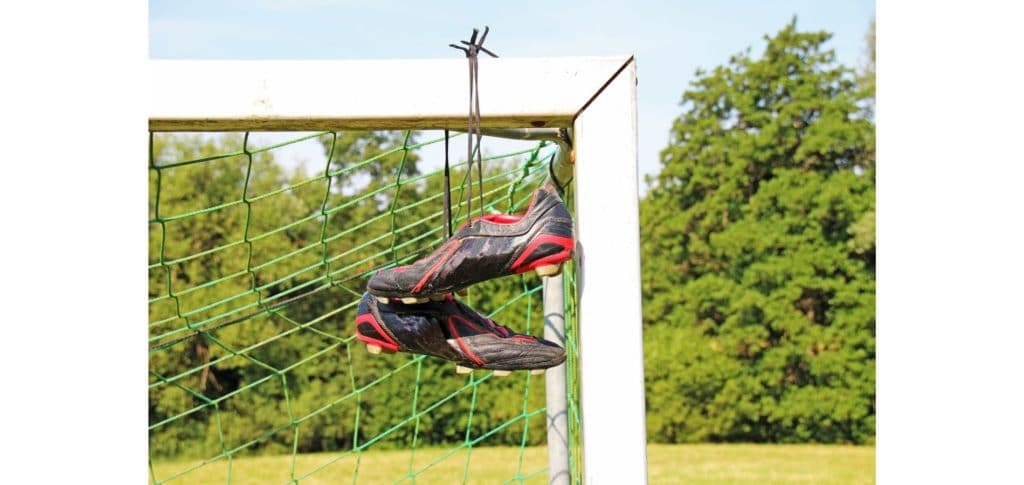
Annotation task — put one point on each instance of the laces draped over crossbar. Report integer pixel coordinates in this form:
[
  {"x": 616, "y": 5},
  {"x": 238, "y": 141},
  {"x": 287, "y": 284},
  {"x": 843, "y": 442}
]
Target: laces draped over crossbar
[{"x": 472, "y": 49}]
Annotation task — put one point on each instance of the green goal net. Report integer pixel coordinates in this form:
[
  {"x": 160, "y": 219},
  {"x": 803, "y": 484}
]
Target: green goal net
[{"x": 256, "y": 265}]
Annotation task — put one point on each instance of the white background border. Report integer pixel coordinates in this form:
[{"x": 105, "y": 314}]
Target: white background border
[{"x": 74, "y": 98}]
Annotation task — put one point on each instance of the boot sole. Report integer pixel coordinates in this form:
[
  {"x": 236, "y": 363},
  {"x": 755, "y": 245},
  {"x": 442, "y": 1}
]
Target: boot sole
[
  {"x": 545, "y": 270},
  {"x": 459, "y": 369}
]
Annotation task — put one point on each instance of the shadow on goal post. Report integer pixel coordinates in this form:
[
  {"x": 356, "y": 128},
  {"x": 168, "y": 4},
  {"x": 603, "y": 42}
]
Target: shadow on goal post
[{"x": 583, "y": 106}]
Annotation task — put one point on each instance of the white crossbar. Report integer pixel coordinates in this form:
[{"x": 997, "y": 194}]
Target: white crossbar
[{"x": 399, "y": 94}]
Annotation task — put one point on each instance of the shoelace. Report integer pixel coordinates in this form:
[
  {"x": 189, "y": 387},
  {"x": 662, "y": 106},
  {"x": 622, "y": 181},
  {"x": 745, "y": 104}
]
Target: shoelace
[
  {"x": 472, "y": 50},
  {"x": 447, "y": 192}
]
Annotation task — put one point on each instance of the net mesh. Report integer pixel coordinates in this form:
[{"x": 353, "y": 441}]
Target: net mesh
[{"x": 255, "y": 272}]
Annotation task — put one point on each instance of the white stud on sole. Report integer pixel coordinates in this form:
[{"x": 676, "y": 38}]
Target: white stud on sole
[
  {"x": 548, "y": 270},
  {"x": 502, "y": 373},
  {"x": 462, "y": 370},
  {"x": 383, "y": 299},
  {"x": 537, "y": 372},
  {"x": 412, "y": 300},
  {"x": 373, "y": 349}
]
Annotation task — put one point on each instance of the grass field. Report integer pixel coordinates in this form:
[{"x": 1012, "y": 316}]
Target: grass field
[{"x": 667, "y": 464}]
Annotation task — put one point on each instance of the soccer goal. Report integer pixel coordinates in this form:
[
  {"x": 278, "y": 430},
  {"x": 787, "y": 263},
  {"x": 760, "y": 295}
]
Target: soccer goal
[{"x": 255, "y": 270}]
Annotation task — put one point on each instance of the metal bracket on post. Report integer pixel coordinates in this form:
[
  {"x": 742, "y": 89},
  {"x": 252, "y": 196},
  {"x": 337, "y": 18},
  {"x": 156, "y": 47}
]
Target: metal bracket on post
[{"x": 562, "y": 166}]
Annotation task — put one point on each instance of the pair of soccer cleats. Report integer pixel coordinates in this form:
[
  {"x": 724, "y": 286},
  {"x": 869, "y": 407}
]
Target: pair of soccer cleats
[{"x": 414, "y": 309}]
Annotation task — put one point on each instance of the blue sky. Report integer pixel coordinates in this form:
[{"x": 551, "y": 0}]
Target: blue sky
[{"x": 669, "y": 39}]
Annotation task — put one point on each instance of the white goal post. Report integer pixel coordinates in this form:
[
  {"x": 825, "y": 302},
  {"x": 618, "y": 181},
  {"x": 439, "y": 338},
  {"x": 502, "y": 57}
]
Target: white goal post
[{"x": 594, "y": 96}]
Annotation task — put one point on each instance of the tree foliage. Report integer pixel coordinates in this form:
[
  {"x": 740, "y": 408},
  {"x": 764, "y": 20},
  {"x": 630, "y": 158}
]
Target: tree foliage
[{"x": 758, "y": 254}]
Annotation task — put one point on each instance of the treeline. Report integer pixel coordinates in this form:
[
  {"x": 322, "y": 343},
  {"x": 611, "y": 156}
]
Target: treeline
[
  {"x": 758, "y": 278},
  {"x": 758, "y": 252}
]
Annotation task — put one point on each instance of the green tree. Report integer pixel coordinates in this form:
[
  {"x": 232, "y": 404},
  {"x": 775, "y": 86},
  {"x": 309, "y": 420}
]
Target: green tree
[
  {"x": 758, "y": 254},
  {"x": 202, "y": 268}
]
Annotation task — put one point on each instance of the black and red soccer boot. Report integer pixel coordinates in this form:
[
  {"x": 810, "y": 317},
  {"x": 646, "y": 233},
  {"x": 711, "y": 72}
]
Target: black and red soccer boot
[
  {"x": 485, "y": 248},
  {"x": 452, "y": 331}
]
